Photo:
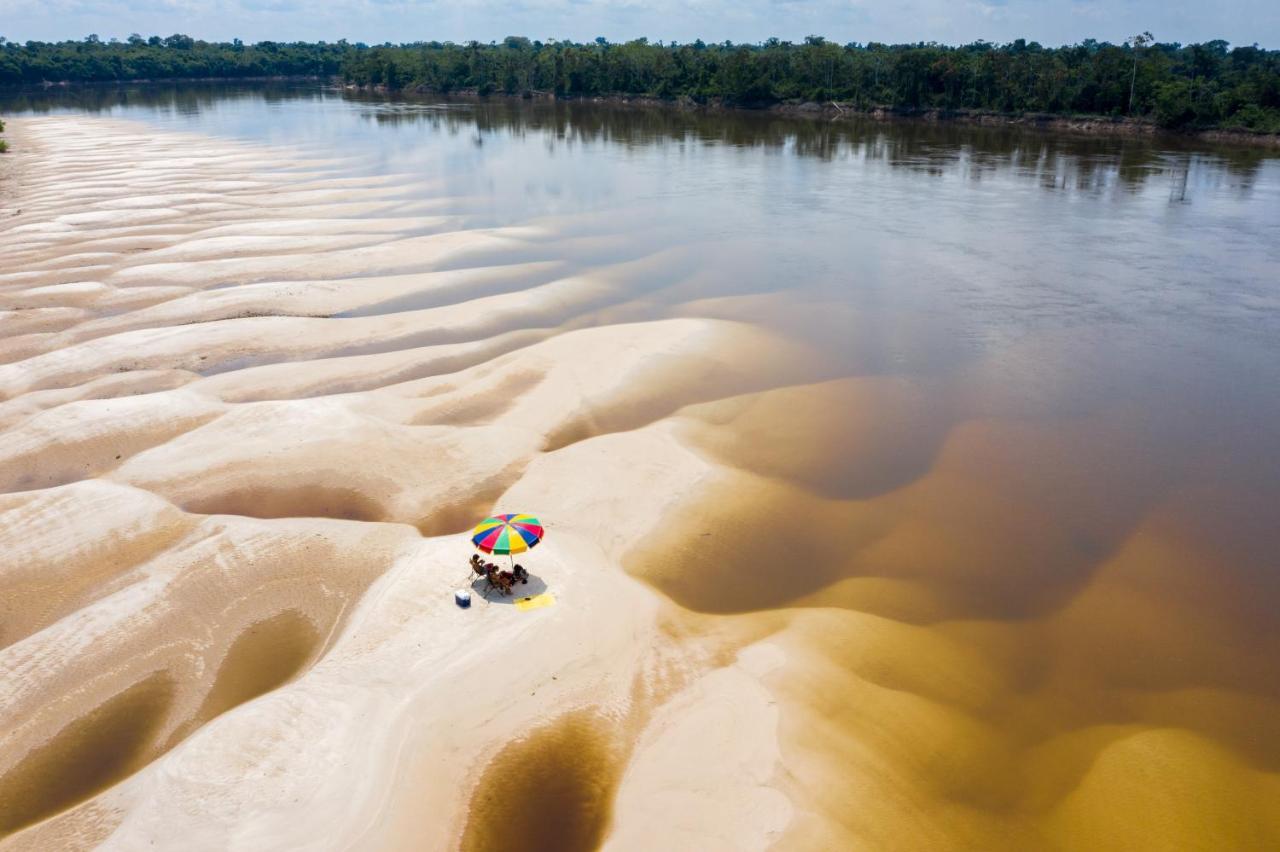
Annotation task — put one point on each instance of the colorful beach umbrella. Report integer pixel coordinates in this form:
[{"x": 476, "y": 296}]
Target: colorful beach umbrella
[{"x": 507, "y": 534}]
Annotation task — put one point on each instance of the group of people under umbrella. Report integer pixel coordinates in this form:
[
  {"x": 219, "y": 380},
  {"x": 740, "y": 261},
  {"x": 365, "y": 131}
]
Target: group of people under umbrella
[{"x": 504, "y": 535}]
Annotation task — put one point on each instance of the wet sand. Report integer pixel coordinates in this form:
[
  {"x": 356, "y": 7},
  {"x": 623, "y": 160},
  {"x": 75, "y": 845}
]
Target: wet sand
[{"x": 251, "y": 404}]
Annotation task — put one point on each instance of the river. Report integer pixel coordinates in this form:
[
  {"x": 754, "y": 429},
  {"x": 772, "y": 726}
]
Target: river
[{"x": 1010, "y": 502}]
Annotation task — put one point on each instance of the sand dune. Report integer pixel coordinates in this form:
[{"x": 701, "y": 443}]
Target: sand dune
[
  {"x": 221, "y": 467},
  {"x": 251, "y": 403}
]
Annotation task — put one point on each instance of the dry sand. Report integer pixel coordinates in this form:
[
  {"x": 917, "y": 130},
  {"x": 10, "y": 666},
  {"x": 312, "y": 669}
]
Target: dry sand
[{"x": 249, "y": 406}]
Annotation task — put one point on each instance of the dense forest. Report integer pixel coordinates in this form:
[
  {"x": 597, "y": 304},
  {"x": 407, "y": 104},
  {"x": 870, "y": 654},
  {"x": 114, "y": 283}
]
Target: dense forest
[
  {"x": 155, "y": 58},
  {"x": 1177, "y": 86}
]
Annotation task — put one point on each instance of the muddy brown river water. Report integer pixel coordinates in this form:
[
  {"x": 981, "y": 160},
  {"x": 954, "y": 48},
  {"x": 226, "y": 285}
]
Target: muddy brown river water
[{"x": 1006, "y": 489}]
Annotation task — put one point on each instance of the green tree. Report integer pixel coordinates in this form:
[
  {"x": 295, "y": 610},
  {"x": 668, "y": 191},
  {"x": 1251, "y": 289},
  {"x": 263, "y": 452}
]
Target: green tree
[
  {"x": 1137, "y": 43},
  {"x": 1173, "y": 104},
  {"x": 1185, "y": 86}
]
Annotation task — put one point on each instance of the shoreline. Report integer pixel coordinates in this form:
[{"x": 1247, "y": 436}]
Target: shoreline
[
  {"x": 46, "y": 85},
  {"x": 1083, "y": 125}
]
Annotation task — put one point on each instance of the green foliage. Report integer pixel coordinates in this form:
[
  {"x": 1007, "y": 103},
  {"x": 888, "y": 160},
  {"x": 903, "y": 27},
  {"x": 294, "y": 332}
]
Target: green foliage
[
  {"x": 175, "y": 57},
  {"x": 1173, "y": 104},
  {"x": 4, "y": 146},
  {"x": 1178, "y": 86}
]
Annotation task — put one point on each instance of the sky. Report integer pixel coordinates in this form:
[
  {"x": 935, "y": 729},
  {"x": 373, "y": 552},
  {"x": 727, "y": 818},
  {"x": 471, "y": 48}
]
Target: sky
[{"x": 1051, "y": 22}]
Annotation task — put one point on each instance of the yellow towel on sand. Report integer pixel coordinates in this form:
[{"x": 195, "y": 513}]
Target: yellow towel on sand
[{"x": 535, "y": 602}]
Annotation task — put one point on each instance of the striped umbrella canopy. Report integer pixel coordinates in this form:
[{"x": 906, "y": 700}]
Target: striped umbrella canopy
[{"x": 507, "y": 534}]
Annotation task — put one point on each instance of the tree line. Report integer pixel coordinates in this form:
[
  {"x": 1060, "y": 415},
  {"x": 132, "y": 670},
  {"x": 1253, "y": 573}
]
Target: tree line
[
  {"x": 156, "y": 58},
  {"x": 1178, "y": 86}
]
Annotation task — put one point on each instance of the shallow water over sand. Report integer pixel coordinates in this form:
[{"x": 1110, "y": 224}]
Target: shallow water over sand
[{"x": 992, "y": 453}]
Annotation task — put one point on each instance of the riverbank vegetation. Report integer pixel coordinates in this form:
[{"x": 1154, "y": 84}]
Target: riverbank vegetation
[
  {"x": 1198, "y": 86},
  {"x": 156, "y": 58}
]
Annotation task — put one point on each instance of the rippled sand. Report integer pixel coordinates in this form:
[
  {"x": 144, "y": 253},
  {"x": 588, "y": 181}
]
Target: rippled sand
[{"x": 250, "y": 405}]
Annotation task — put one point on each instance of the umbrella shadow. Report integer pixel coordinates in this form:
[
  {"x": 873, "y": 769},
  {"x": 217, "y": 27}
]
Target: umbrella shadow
[{"x": 535, "y": 586}]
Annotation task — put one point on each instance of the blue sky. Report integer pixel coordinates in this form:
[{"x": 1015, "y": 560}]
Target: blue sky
[{"x": 1051, "y": 22}]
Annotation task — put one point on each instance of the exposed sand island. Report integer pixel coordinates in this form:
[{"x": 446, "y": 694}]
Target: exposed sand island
[
  {"x": 250, "y": 405},
  {"x": 223, "y": 627}
]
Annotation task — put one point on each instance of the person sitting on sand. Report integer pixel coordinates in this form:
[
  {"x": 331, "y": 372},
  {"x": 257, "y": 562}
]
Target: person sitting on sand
[
  {"x": 520, "y": 574},
  {"x": 491, "y": 576},
  {"x": 500, "y": 580}
]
